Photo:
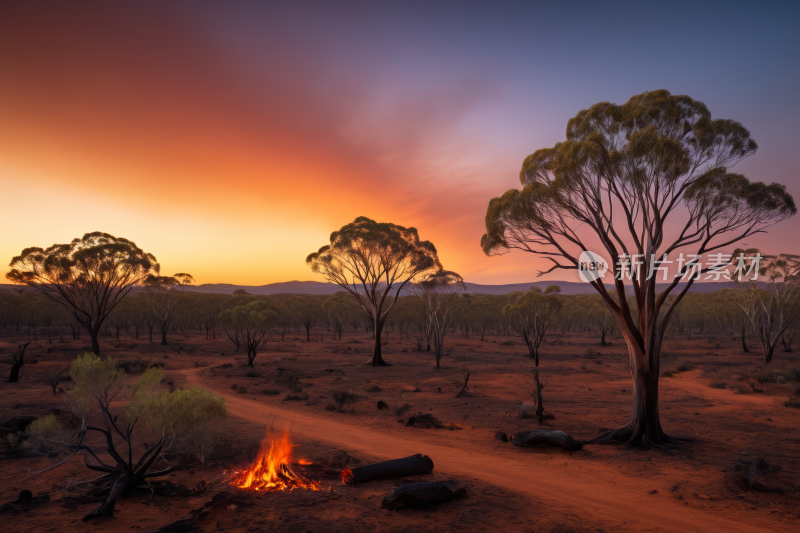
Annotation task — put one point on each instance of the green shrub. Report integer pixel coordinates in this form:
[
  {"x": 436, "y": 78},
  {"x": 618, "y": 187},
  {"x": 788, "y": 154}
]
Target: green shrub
[
  {"x": 102, "y": 379},
  {"x": 47, "y": 428},
  {"x": 184, "y": 417}
]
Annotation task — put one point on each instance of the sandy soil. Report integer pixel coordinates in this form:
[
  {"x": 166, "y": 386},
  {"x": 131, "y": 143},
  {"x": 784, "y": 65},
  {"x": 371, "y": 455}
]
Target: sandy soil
[{"x": 599, "y": 488}]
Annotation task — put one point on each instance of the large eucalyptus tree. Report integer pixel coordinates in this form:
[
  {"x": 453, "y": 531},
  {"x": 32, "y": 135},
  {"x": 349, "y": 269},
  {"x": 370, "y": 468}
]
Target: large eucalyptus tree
[
  {"x": 88, "y": 276},
  {"x": 638, "y": 180},
  {"x": 370, "y": 260}
]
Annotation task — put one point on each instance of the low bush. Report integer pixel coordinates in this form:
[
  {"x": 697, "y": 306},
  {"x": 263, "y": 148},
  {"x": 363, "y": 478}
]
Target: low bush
[
  {"x": 374, "y": 388},
  {"x": 344, "y": 398},
  {"x": 187, "y": 418},
  {"x": 303, "y": 396},
  {"x": 747, "y": 473},
  {"x": 46, "y": 429},
  {"x": 527, "y": 410},
  {"x": 271, "y": 392},
  {"x": 402, "y": 409},
  {"x": 717, "y": 385},
  {"x": 778, "y": 376},
  {"x": 138, "y": 366},
  {"x": 792, "y": 402}
]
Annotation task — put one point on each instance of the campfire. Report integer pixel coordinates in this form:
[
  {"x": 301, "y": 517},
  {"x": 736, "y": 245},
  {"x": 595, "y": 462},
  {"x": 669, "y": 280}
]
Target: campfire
[{"x": 274, "y": 469}]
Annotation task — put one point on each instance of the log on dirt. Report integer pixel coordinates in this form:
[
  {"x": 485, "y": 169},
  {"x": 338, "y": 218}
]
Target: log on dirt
[
  {"x": 190, "y": 521},
  {"x": 408, "y": 466},
  {"x": 414, "y": 494},
  {"x": 545, "y": 437}
]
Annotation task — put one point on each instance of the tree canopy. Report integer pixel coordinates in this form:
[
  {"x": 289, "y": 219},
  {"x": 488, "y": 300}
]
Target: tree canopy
[
  {"x": 369, "y": 259},
  {"x": 88, "y": 276},
  {"x": 623, "y": 172}
]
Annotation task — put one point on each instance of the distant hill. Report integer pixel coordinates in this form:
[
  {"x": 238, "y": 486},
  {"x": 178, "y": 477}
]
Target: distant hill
[{"x": 322, "y": 288}]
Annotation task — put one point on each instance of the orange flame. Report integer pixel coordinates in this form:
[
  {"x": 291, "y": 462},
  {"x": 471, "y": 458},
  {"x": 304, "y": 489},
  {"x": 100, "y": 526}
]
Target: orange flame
[{"x": 274, "y": 468}]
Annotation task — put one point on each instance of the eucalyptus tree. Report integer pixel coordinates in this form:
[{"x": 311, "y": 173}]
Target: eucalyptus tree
[
  {"x": 484, "y": 311},
  {"x": 371, "y": 259},
  {"x": 249, "y": 325},
  {"x": 438, "y": 295},
  {"x": 88, "y": 276},
  {"x": 637, "y": 181},
  {"x": 773, "y": 311},
  {"x": 530, "y": 315},
  {"x": 598, "y": 314},
  {"x": 210, "y": 306},
  {"x": 305, "y": 311},
  {"x": 340, "y": 309},
  {"x": 162, "y": 294}
]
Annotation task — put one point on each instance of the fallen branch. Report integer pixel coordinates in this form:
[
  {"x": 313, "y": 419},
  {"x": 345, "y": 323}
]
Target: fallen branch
[
  {"x": 408, "y": 466},
  {"x": 413, "y": 494}
]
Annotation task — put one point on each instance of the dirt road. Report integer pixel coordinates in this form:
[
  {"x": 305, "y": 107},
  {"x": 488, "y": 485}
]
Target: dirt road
[{"x": 602, "y": 493}]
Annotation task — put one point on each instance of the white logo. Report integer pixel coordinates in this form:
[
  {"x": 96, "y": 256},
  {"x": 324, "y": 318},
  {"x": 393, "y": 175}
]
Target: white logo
[{"x": 591, "y": 266}]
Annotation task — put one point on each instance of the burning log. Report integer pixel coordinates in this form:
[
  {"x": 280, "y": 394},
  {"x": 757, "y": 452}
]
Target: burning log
[
  {"x": 408, "y": 466},
  {"x": 547, "y": 437},
  {"x": 413, "y": 494}
]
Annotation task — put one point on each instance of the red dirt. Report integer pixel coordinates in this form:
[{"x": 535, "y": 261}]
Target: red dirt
[{"x": 600, "y": 488}]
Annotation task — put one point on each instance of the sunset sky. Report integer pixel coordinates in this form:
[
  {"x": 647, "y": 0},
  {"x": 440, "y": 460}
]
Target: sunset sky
[{"x": 230, "y": 138}]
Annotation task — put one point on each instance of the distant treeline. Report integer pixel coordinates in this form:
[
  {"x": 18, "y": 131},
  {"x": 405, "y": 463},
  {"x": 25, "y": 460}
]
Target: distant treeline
[{"x": 27, "y": 312}]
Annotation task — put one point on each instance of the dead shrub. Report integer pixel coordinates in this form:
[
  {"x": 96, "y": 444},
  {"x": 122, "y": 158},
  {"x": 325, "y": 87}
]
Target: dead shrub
[
  {"x": 303, "y": 396},
  {"x": 343, "y": 399},
  {"x": 792, "y": 402},
  {"x": 53, "y": 378},
  {"x": 747, "y": 474},
  {"x": 527, "y": 410}
]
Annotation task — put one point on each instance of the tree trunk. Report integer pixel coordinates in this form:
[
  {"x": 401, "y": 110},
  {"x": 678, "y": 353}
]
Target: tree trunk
[
  {"x": 602, "y": 336},
  {"x": 106, "y": 509},
  {"x": 19, "y": 360},
  {"x": 539, "y": 400},
  {"x": 164, "y": 328},
  {"x": 645, "y": 425},
  {"x": 93, "y": 333},
  {"x": 377, "y": 360},
  {"x": 744, "y": 338}
]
